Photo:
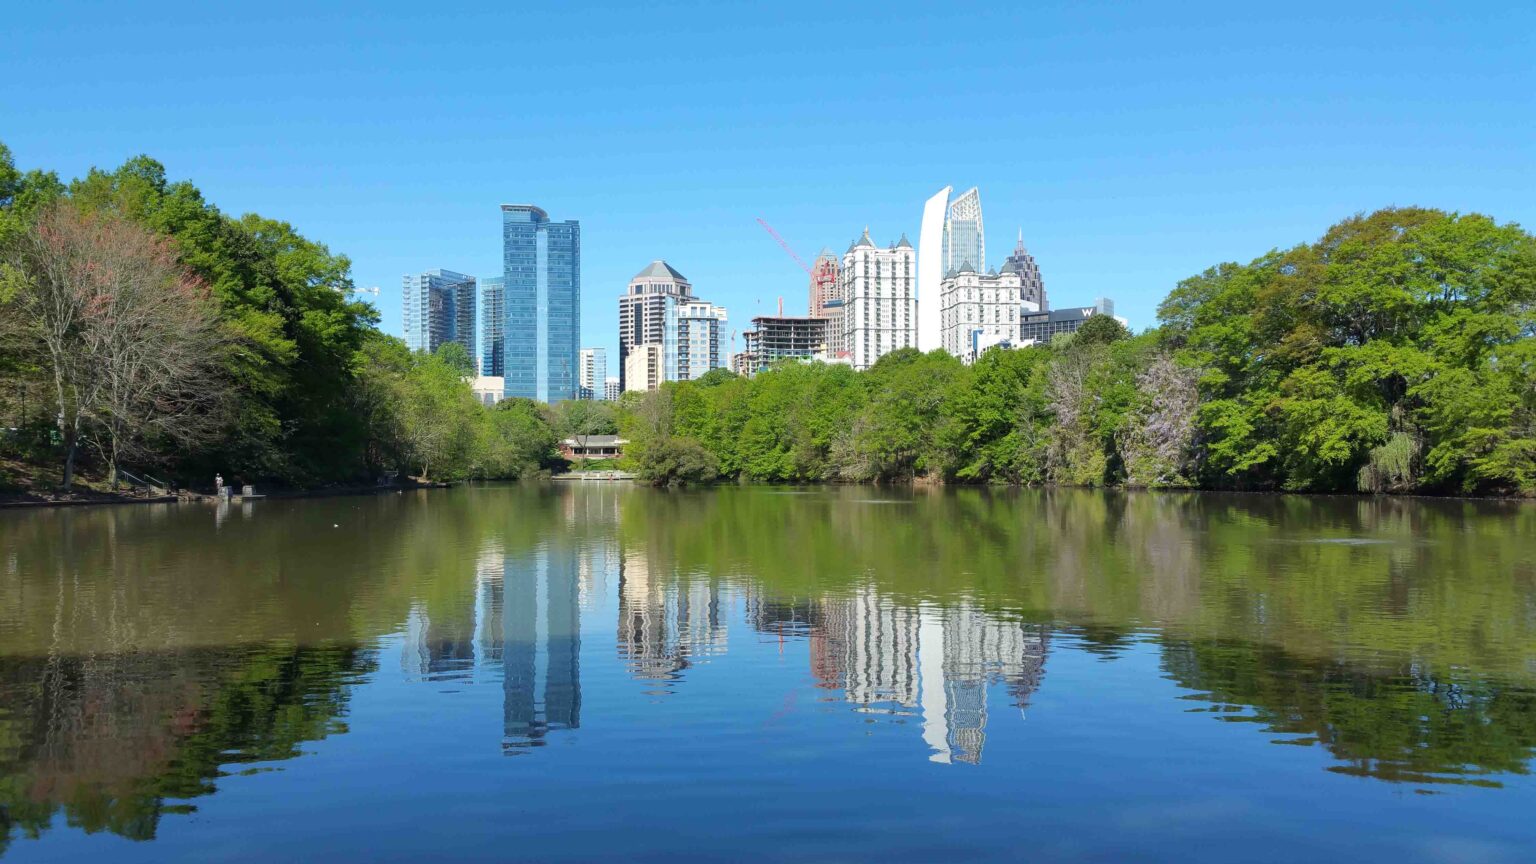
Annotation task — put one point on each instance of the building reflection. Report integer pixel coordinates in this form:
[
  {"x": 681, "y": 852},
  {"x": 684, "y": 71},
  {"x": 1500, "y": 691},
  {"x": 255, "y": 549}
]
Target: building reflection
[
  {"x": 523, "y": 628},
  {"x": 540, "y": 633},
  {"x": 664, "y": 625},
  {"x": 936, "y": 661}
]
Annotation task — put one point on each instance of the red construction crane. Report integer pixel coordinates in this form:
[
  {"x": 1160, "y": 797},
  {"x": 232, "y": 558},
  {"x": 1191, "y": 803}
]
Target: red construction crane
[{"x": 775, "y": 234}]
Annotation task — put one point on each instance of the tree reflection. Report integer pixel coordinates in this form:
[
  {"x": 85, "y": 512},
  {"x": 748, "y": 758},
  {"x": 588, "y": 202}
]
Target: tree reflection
[{"x": 113, "y": 742}]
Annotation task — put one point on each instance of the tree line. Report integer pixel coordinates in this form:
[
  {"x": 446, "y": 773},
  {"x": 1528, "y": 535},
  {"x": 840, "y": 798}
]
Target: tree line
[{"x": 141, "y": 327}]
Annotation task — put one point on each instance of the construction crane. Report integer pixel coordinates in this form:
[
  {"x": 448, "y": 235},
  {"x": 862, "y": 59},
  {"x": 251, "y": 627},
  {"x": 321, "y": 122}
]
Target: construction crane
[{"x": 775, "y": 235}]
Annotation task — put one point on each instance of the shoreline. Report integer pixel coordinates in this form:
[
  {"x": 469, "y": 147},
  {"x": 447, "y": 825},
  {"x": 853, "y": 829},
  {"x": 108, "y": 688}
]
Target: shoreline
[
  {"x": 29, "y": 501},
  {"x": 25, "y": 501}
]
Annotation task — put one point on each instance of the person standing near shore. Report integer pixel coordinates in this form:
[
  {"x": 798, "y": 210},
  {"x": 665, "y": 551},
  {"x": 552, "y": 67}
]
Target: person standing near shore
[{"x": 218, "y": 484}]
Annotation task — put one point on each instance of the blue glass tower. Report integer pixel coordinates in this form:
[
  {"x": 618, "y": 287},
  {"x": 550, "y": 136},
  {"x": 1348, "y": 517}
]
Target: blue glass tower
[{"x": 541, "y": 300}]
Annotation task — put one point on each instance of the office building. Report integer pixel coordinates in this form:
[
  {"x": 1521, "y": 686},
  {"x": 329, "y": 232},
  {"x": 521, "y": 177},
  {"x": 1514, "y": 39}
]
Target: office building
[
  {"x": 965, "y": 241},
  {"x": 437, "y": 307},
  {"x": 952, "y": 237},
  {"x": 979, "y": 310},
  {"x": 930, "y": 269},
  {"x": 775, "y": 338},
  {"x": 1040, "y": 327},
  {"x": 824, "y": 272},
  {"x": 594, "y": 373},
  {"x": 643, "y": 309},
  {"x": 1023, "y": 263},
  {"x": 659, "y": 309},
  {"x": 878, "y": 289},
  {"x": 493, "y": 323},
  {"x": 644, "y": 367},
  {"x": 541, "y": 263},
  {"x": 612, "y": 389}
]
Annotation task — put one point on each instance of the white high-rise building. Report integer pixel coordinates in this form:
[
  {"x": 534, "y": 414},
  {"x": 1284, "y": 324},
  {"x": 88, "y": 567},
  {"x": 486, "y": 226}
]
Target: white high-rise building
[
  {"x": 930, "y": 269},
  {"x": 612, "y": 389},
  {"x": 980, "y": 310},
  {"x": 644, "y": 367},
  {"x": 879, "y": 291},
  {"x": 592, "y": 373}
]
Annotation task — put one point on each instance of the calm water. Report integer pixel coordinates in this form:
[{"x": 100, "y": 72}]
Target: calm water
[{"x": 609, "y": 673}]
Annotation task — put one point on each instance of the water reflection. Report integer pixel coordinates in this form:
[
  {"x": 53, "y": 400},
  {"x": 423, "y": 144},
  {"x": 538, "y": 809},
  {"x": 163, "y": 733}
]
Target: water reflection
[{"x": 144, "y": 658}]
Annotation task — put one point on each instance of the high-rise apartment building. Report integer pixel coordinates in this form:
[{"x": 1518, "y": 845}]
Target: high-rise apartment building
[
  {"x": 965, "y": 240},
  {"x": 612, "y": 389},
  {"x": 438, "y": 306},
  {"x": 542, "y": 300},
  {"x": 694, "y": 341},
  {"x": 823, "y": 282},
  {"x": 594, "y": 373},
  {"x": 979, "y": 310},
  {"x": 493, "y": 326},
  {"x": 1023, "y": 263},
  {"x": 644, "y": 367},
  {"x": 643, "y": 309},
  {"x": 879, "y": 292}
]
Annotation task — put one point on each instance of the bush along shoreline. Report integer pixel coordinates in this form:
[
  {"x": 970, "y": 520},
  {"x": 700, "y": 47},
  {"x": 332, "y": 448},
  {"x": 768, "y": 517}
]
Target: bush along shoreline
[{"x": 144, "y": 331}]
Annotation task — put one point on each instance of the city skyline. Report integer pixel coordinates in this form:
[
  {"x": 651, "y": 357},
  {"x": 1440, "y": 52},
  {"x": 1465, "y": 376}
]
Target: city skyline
[{"x": 1126, "y": 162}]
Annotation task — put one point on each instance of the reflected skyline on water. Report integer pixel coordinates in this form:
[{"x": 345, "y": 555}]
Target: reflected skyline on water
[{"x": 153, "y": 659}]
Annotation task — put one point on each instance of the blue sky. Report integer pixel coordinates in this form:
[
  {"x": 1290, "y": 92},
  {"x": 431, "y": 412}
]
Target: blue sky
[{"x": 1133, "y": 145}]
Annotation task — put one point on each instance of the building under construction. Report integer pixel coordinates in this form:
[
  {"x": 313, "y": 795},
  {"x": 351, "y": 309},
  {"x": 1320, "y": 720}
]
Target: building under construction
[{"x": 776, "y": 337}]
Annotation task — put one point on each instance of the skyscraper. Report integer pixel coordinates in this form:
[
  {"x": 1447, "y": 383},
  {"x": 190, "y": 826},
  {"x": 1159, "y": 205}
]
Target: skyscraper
[
  {"x": 643, "y": 309},
  {"x": 878, "y": 287},
  {"x": 659, "y": 309},
  {"x": 594, "y": 373},
  {"x": 823, "y": 282},
  {"x": 438, "y": 306},
  {"x": 965, "y": 241},
  {"x": 1023, "y": 263},
  {"x": 493, "y": 324},
  {"x": 930, "y": 269},
  {"x": 542, "y": 299}
]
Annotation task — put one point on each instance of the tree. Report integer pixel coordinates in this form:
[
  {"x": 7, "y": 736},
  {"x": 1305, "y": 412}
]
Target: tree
[
  {"x": 1101, "y": 330},
  {"x": 677, "y": 462},
  {"x": 438, "y": 418},
  {"x": 130, "y": 336},
  {"x": 1158, "y": 443},
  {"x": 457, "y": 357}
]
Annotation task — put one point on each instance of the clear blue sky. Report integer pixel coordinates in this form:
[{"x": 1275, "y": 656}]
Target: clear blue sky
[{"x": 1133, "y": 145}]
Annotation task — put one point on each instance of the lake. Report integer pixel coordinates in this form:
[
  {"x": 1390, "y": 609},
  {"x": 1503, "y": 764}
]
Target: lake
[{"x": 581, "y": 672}]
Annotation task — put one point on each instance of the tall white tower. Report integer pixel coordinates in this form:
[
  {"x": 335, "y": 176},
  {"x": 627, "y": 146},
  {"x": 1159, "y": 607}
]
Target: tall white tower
[{"x": 930, "y": 269}]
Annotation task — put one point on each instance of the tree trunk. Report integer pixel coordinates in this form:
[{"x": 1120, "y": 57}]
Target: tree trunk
[{"x": 71, "y": 443}]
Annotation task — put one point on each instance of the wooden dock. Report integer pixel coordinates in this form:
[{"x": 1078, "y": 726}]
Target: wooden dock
[{"x": 575, "y": 476}]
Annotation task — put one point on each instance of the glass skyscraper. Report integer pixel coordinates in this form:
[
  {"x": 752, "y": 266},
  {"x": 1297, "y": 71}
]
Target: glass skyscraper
[
  {"x": 542, "y": 301},
  {"x": 493, "y": 324},
  {"x": 964, "y": 237},
  {"x": 438, "y": 306}
]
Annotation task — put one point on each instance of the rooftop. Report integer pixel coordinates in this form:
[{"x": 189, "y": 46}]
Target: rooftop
[{"x": 660, "y": 269}]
